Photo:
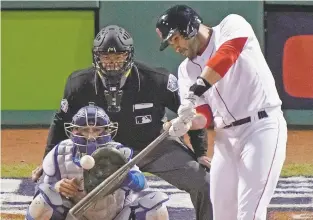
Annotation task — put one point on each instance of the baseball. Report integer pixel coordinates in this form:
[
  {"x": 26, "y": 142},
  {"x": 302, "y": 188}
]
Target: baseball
[{"x": 87, "y": 162}]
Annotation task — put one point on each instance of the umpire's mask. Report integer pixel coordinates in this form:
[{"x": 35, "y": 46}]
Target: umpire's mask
[{"x": 113, "y": 53}]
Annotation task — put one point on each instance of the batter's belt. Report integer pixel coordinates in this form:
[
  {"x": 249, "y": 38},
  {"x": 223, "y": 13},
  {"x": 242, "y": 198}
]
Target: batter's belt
[{"x": 261, "y": 114}]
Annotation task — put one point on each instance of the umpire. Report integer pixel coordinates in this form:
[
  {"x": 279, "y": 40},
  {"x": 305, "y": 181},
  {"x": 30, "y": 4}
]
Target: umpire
[{"x": 135, "y": 95}]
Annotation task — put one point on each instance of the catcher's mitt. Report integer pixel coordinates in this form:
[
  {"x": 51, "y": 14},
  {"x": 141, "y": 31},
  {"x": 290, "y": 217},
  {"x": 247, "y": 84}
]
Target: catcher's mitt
[{"x": 107, "y": 160}]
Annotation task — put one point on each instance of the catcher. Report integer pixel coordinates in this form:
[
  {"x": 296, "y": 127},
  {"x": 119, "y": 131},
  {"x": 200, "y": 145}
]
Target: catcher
[{"x": 65, "y": 182}]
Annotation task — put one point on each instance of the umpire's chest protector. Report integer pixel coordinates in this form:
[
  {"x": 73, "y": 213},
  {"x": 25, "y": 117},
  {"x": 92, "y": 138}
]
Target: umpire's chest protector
[{"x": 141, "y": 112}]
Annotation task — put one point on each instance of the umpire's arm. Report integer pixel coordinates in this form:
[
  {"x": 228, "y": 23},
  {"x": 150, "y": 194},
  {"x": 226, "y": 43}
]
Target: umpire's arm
[
  {"x": 198, "y": 138},
  {"x": 64, "y": 114}
]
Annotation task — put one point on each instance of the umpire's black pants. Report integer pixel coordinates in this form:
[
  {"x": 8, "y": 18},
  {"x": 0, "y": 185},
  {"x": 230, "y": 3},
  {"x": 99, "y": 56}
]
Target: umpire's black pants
[{"x": 174, "y": 162}]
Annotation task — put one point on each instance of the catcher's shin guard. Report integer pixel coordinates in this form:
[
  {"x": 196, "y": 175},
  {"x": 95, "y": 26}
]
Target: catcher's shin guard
[
  {"x": 149, "y": 207},
  {"x": 152, "y": 207},
  {"x": 39, "y": 209},
  {"x": 48, "y": 204}
]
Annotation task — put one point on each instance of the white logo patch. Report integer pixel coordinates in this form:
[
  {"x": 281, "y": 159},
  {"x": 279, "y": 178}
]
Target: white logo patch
[
  {"x": 142, "y": 106},
  {"x": 145, "y": 119},
  {"x": 200, "y": 82},
  {"x": 64, "y": 105},
  {"x": 172, "y": 83}
]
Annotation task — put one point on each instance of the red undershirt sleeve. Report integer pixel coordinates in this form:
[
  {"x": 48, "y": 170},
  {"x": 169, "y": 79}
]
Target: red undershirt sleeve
[{"x": 227, "y": 55}]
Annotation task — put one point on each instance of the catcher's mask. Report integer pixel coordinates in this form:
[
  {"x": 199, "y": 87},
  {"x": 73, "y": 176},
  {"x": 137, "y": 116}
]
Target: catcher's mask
[
  {"x": 113, "y": 53},
  {"x": 90, "y": 129}
]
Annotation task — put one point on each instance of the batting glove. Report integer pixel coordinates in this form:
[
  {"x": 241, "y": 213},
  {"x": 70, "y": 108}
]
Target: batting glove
[
  {"x": 186, "y": 110},
  {"x": 179, "y": 127}
]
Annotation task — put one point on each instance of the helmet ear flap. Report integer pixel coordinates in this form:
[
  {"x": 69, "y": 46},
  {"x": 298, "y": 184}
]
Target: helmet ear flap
[{"x": 193, "y": 27}]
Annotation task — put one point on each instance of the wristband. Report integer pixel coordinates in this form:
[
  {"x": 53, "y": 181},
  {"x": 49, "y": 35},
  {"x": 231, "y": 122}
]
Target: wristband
[
  {"x": 135, "y": 181},
  {"x": 200, "y": 86}
]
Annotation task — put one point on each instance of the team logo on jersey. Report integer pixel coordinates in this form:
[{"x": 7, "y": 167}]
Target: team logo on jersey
[
  {"x": 64, "y": 105},
  {"x": 145, "y": 119},
  {"x": 172, "y": 83}
]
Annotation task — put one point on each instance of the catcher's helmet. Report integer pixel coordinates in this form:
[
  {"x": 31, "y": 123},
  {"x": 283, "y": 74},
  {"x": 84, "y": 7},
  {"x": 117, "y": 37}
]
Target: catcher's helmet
[
  {"x": 177, "y": 18},
  {"x": 90, "y": 116}
]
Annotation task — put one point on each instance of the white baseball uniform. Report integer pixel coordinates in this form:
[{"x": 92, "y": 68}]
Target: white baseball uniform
[{"x": 248, "y": 158}]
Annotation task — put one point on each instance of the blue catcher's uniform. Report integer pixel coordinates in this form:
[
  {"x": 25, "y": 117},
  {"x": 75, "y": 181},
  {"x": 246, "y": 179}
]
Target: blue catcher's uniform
[{"x": 125, "y": 203}]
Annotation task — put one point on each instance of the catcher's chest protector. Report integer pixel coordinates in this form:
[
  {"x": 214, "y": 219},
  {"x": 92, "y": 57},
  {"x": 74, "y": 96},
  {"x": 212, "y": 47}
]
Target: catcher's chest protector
[{"x": 59, "y": 164}]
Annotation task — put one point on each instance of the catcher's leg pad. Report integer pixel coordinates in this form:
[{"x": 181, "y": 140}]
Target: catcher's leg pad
[
  {"x": 152, "y": 207},
  {"x": 48, "y": 204},
  {"x": 149, "y": 207},
  {"x": 107, "y": 160}
]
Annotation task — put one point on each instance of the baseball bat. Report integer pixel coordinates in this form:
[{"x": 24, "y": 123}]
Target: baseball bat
[{"x": 109, "y": 185}]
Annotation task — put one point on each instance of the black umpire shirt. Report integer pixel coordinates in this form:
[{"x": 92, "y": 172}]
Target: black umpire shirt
[{"x": 146, "y": 93}]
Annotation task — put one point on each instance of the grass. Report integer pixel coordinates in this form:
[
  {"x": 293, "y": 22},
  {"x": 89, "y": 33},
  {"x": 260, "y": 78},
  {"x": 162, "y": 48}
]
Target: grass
[
  {"x": 24, "y": 170},
  {"x": 297, "y": 170},
  {"x": 17, "y": 170},
  {"x": 289, "y": 170},
  {"x": 148, "y": 174}
]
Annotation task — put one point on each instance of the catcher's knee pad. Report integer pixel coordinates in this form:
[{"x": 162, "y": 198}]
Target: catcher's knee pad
[
  {"x": 150, "y": 207},
  {"x": 48, "y": 204}
]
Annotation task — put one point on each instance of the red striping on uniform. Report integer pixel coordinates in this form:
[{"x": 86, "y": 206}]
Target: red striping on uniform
[
  {"x": 268, "y": 175},
  {"x": 206, "y": 111},
  {"x": 226, "y": 55}
]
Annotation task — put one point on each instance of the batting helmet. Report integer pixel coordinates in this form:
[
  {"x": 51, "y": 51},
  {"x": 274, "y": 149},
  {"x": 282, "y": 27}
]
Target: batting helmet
[{"x": 179, "y": 18}]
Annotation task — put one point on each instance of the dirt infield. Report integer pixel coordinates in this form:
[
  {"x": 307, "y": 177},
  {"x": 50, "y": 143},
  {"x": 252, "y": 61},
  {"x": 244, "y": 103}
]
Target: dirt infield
[{"x": 28, "y": 146}]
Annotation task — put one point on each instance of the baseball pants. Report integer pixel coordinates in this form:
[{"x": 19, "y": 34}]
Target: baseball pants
[{"x": 245, "y": 168}]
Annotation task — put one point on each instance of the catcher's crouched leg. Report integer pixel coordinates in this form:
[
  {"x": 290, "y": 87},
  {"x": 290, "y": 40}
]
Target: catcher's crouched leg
[
  {"x": 149, "y": 207},
  {"x": 48, "y": 204}
]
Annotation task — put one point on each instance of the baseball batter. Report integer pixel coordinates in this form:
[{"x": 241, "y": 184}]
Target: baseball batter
[
  {"x": 225, "y": 77},
  {"x": 65, "y": 182}
]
